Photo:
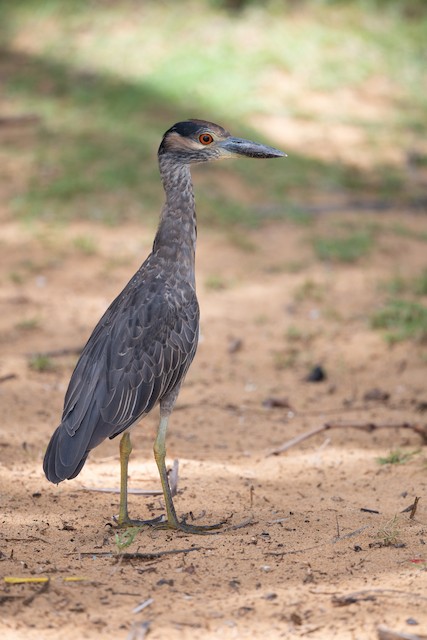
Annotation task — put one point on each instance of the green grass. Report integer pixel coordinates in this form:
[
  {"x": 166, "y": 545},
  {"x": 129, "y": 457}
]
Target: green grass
[
  {"x": 346, "y": 248},
  {"x": 310, "y": 290},
  {"x": 420, "y": 284},
  {"x": 215, "y": 283},
  {"x": 283, "y": 360},
  {"x": 106, "y": 79},
  {"x": 405, "y": 232},
  {"x": 28, "y": 324},
  {"x": 124, "y": 539},
  {"x": 395, "y": 286},
  {"x": 397, "y": 456},
  {"x": 85, "y": 244},
  {"x": 402, "y": 320},
  {"x": 41, "y": 363},
  {"x": 416, "y": 286}
]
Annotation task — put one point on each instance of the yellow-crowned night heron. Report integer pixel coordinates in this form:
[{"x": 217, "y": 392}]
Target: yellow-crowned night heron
[{"x": 141, "y": 349}]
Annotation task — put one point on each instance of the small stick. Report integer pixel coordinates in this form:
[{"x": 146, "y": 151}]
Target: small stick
[
  {"x": 245, "y": 523},
  {"x": 351, "y": 534},
  {"x": 364, "y": 426},
  {"x": 42, "y": 579},
  {"x": 8, "y": 376},
  {"x": 138, "y": 492},
  {"x": 137, "y": 556},
  {"x": 414, "y": 507},
  {"x": 297, "y": 440},
  {"x": 369, "y": 594},
  {"x": 143, "y": 605},
  {"x": 291, "y": 552},
  {"x": 388, "y": 634},
  {"x": 39, "y": 592},
  {"x": 159, "y": 554},
  {"x": 337, "y": 537},
  {"x": 279, "y": 520}
]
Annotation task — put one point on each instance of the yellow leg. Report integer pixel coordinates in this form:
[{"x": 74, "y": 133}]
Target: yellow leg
[
  {"x": 125, "y": 451},
  {"x": 123, "y": 520},
  {"x": 172, "y": 520},
  {"x": 160, "y": 457}
]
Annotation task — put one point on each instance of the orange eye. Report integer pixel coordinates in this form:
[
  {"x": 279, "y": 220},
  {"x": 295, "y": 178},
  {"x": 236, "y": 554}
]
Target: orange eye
[{"x": 205, "y": 138}]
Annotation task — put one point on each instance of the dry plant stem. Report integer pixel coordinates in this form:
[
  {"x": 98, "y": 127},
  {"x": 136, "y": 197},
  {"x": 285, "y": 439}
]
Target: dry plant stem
[
  {"x": 414, "y": 508},
  {"x": 387, "y": 634},
  {"x": 351, "y": 534},
  {"x": 364, "y": 426},
  {"x": 137, "y": 492},
  {"x": 137, "y": 556},
  {"x": 39, "y": 592},
  {"x": 245, "y": 523},
  {"x": 8, "y": 376},
  {"x": 151, "y": 556},
  {"x": 371, "y": 594}
]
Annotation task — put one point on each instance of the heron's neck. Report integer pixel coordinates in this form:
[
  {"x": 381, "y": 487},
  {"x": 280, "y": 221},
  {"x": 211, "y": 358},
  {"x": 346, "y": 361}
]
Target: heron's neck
[{"x": 176, "y": 236}]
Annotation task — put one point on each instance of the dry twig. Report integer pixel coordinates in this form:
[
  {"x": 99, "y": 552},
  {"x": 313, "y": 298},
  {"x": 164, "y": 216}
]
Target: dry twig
[
  {"x": 143, "y": 605},
  {"x": 414, "y": 508},
  {"x": 371, "y": 594},
  {"x": 364, "y": 426},
  {"x": 338, "y": 538},
  {"x": 8, "y": 376},
  {"x": 388, "y": 634},
  {"x": 245, "y": 523},
  {"x": 138, "y": 492},
  {"x": 137, "y": 555},
  {"x": 39, "y": 592}
]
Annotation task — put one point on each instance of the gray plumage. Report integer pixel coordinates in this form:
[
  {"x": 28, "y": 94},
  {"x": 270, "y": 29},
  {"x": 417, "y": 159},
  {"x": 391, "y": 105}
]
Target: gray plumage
[{"x": 142, "y": 347}]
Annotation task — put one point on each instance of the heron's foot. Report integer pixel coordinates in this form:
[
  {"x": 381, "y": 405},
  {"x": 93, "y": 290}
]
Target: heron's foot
[
  {"x": 124, "y": 523},
  {"x": 183, "y": 525}
]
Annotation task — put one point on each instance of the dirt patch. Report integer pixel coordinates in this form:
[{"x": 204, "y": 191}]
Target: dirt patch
[{"x": 320, "y": 522}]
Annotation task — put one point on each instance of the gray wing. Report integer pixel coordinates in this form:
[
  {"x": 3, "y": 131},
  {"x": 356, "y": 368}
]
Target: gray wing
[{"x": 137, "y": 354}]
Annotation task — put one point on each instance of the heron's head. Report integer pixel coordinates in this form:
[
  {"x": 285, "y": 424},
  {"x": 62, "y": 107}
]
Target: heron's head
[{"x": 196, "y": 141}]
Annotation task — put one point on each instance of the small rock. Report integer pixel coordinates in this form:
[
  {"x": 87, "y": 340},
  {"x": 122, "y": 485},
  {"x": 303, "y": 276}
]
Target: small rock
[
  {"x": 296, "y": 619},
  {"x": 235, "y": 345},
  {"x": 376, "y": 394},
  {"x": 273, "y": 402},
  {"x": 270, "y": 596},
  {"x": 317, "y": 374},
  {"x": 163, "y": 581}
]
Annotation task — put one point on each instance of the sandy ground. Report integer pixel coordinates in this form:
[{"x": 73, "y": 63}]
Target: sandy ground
[{"x": 317, "y": 543}]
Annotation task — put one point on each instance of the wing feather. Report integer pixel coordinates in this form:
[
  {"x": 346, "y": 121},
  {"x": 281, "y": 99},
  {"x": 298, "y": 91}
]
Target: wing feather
[{"x": 139, "y": 351}]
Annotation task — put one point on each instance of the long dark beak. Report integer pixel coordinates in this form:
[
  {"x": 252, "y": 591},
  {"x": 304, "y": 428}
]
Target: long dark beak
[{"x": 233, "y": 147}]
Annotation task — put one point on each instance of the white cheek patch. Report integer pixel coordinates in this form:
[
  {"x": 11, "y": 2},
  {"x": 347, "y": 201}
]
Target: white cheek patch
[{"x": 175, "y": 141}]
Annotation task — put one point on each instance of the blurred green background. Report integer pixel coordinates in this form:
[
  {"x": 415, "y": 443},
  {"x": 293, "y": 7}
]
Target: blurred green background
[{"x": 340, "y": 86}]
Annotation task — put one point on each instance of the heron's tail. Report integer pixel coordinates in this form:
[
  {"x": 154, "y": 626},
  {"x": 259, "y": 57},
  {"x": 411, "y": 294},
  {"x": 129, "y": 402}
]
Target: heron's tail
[{"x": 65, "y": 456}]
